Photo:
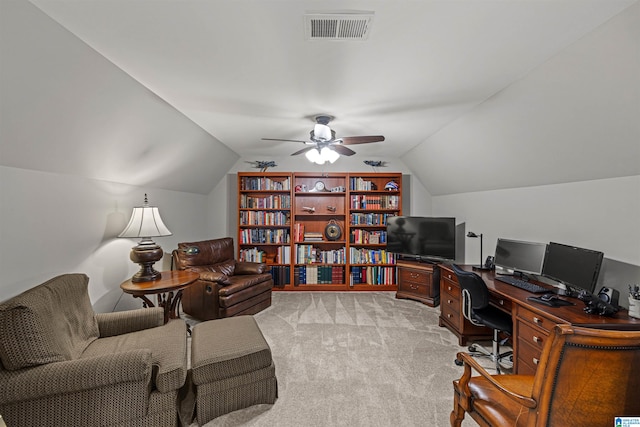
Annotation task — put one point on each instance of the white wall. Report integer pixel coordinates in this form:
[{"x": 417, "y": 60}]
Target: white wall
[
  {"x": 600, "y": 215},
  {"x": 52, "y": 224}
]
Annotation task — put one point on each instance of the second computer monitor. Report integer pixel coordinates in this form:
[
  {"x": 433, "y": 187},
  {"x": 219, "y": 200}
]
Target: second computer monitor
[{"x": 519, "y": 256}]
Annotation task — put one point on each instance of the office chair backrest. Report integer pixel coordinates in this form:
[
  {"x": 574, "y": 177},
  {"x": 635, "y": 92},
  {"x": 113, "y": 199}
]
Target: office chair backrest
[
  {"x": 587, "y": 377},
  {"x": 473, "y": 284}
]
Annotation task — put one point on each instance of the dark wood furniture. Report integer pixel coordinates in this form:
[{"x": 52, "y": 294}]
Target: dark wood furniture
[
  {"x": 168, "y": 290},
  {"x": 532, "y": 322},
  {"x": 283, "y": 218},
  {"x": 419, "y": 281},
  {"x": 586, "y": 377}
]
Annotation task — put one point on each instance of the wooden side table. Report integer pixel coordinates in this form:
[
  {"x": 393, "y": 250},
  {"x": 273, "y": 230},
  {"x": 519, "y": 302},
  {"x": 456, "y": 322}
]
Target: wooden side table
[{"x": 168, "y": 289}]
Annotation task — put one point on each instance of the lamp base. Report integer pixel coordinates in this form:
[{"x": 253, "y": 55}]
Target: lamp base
[
  {"x": 481, "y": 268},
  {"x": 146, "y": 256}
]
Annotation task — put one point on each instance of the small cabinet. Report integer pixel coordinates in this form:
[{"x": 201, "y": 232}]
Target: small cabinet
[{"x": 419, "y": 281}]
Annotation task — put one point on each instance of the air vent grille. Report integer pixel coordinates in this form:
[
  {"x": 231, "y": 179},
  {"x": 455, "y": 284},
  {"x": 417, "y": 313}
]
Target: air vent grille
[{"x": 338, "y": 26}]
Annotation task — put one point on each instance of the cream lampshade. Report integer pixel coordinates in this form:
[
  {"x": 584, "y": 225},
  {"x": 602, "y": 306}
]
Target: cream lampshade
[{"x": 145, "y": 223}]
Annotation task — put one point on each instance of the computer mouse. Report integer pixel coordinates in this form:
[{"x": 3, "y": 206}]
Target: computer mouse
[{"x": 548, "y": 297}]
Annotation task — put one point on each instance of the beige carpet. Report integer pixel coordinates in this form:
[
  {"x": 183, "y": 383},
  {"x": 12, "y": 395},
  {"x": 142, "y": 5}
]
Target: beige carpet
[{"x": 355, "y": 359}]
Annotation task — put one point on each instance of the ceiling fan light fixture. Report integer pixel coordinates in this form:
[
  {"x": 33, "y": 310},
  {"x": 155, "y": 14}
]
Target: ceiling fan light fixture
[
  {"x": 322, "y": 132},
  {"x": 313, "y": 155},
  {"x": 329, "y": 155}
]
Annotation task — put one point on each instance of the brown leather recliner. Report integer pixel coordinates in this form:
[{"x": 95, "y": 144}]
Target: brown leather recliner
[{"x": 226, "y": 287}]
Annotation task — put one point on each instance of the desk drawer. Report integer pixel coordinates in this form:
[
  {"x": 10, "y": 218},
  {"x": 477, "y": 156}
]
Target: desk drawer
[
  {"x": 420, "y": 289},
  {"x": 411, "y": 275},
  {"x": 535, "y": 337},
  {"x": 528, "y": 358},
  {"x": 532, "y": 318},
  {"x": 451, "y": 289},
  {"x": 502, "y": 303},
  {"x": 450, "y": 312}
]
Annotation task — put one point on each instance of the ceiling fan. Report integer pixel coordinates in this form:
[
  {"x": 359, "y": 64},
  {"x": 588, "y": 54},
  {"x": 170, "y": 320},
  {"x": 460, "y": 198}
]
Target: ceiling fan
[{"x": 323, "y": 136}]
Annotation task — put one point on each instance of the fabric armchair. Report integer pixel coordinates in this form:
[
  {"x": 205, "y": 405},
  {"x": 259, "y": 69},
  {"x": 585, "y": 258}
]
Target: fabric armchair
[{"x": 64, "y": 365}]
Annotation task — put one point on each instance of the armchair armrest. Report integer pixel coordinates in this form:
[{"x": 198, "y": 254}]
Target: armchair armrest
[
  {"x": 246, "y": 267},
  {"x": 61, "y": 378},
  {"x": 124, "y": 322},
  {"x": 214, "y": 276},
  {"x": 470, "y": 362}
]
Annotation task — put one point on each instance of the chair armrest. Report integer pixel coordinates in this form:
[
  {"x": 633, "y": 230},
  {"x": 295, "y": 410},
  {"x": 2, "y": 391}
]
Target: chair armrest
[
  {"x": 214, "y": 276},
  {"x": 470, "y": 362},
  {"x": 71, "y": 376},
  {"x": 246, "y": 267},
  {"x": 124, "y": 322}
]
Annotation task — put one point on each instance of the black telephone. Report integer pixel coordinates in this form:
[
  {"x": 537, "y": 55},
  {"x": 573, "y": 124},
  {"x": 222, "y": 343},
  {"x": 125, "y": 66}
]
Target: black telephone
[{"x": 489, "y": 263}]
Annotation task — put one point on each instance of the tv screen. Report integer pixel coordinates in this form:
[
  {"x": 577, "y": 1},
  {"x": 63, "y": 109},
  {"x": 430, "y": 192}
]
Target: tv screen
[
  {"x": 572, "y": 266},
  {"x": 519, "y": 256},
  {"x": 422, "y": 237}
]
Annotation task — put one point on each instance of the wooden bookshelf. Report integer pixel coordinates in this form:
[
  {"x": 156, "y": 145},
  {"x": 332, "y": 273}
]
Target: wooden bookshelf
[{"x": 331, "y": 235}]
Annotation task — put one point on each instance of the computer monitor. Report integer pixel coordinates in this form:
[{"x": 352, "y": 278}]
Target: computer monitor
[
  {"x": 519, "y": 256},
  {"x": 572, "y": 266}
]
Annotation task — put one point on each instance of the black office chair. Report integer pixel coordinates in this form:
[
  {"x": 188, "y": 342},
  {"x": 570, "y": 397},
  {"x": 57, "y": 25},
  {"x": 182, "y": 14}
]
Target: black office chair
[{"x": 476, "y": 309}]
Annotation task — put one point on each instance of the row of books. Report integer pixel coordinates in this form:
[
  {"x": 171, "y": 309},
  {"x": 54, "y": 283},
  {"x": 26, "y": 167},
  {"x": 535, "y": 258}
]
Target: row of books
[
  {"x": 373, "y": 202},
  {"x": 264, "y": 235},
  {"x": 369, "y": 218},
  {"x": 264, "y": 218},
  {"x": 252, "y": 255},
  {"x": 261, "y": 183},
  {"x": 283, "y": 255},
  {"x": 368, "y": 237},
  {"x": 274, "y": 201},
  {"x": 308, "y": 254},
  {"x": 318, "y": 274},
  {"x": 281, "y": 275},
  {"x": 373, "y": 275},
  {"x": 371, "y": 256},
  {"x": 361, "y": 184}
]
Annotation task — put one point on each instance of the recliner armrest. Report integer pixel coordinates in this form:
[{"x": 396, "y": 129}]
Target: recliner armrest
[
  {"x": 124, "y": 322},
  {"x": 214, "y": 276},
  {"x": 246, "y": 267},
  {"x": 71, "y": 376}
]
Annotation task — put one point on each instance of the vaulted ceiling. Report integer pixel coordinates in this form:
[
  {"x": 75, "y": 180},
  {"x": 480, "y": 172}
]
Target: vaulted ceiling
[{"x": 428, "y": 70}]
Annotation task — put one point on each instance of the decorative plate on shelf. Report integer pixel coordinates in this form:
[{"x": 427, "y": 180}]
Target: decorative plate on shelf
[{"x": 332, "y": 231}]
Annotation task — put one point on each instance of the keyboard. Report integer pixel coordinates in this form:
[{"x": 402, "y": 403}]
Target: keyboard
[{"x": 522, "y": 284}]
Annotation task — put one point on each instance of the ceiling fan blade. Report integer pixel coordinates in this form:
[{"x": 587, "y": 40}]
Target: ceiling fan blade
[
  {"x": 286, "y": 140},
  {"x": 304, "y": 150},
  {"x": 342, "y": 150},
  {"x": 350, "y": 140}
]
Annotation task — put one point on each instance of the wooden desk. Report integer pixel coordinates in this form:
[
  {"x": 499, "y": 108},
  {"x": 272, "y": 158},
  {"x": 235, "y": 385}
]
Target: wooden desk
[
  {"x": 163, "y": 288},
  {"x": 532, "y": 322}
]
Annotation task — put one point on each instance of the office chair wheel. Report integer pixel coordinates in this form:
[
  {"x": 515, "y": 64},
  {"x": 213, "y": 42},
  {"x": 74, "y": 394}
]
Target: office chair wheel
[
  {"x": 472, "y": 348},
  {"x": 458, "y": 362}
]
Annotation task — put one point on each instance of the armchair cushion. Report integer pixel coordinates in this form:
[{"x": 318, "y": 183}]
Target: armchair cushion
[
  {"x": 47, "y": 323},
  {"x": 169, "y": 361},
  {"x": 26, "y": 339}
]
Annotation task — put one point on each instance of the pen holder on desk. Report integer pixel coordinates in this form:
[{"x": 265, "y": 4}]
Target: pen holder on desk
[{"x": 634, "y": 308}]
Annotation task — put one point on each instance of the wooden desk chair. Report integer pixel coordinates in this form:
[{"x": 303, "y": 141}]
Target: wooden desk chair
[{"x": 586, "y": 377}]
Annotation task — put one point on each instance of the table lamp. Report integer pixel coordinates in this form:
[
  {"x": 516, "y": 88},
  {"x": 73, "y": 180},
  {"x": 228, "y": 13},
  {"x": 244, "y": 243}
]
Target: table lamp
[
  {"x": 145, "y": 223},
  {"x": 481, "y": 266}
]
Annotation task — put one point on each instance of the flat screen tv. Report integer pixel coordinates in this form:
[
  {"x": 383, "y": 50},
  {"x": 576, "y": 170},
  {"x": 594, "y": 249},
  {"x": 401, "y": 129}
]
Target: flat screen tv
[
  {"x": 422, "y": 238},
  {"x": 572, "y": 266},
  {"x": 515, "y": 256}
]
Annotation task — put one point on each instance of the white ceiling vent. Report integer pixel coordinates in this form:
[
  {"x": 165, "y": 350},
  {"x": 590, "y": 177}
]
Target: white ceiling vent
[{"x": 352, "y": 25}]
